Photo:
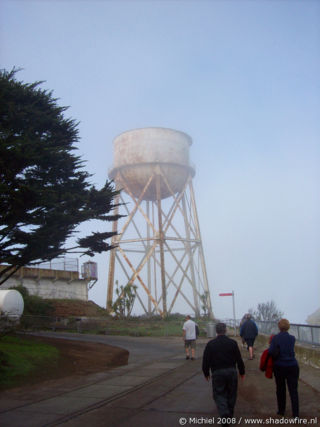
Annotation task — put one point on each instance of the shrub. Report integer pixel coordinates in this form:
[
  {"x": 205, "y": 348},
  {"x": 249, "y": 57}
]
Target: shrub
[{"x": 34, "y": 305}]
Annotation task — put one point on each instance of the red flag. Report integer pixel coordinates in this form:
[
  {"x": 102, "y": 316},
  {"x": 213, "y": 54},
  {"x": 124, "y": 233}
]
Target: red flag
[{"x": 226, "y": 294}]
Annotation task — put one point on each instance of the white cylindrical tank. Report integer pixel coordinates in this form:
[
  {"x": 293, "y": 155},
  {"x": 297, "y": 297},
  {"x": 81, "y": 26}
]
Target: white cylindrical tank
[
  {"x": 11, "y": 303},
  {"x": 137, "y": 154}
]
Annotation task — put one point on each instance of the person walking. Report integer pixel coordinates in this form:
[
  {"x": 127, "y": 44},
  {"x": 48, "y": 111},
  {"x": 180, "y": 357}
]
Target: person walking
[
  {"x": 285, "y": 368},
  {"x": 244, "y": 318},
  {"x": 222, "y": 356},
  {"x": 249, "y": 332},
  {"x": 189, "y": 335}
]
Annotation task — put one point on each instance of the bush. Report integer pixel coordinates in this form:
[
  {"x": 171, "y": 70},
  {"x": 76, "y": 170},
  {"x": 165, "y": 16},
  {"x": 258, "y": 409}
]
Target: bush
[{"x": 34, "y": 305}]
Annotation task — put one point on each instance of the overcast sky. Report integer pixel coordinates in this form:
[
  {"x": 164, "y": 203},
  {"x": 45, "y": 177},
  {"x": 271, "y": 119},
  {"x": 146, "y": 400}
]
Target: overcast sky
[{"x": 241, "y": 78}]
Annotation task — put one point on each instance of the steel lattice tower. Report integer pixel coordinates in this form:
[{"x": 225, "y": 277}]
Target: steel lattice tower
[{"x": 159, "y": 247}]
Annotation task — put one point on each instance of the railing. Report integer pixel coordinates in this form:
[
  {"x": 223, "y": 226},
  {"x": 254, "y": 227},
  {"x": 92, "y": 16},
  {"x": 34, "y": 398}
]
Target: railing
[
  {"x": 59, "y": 268},
  {"x": 65, "y": 264},
  {"x": 305, "y": 334}
]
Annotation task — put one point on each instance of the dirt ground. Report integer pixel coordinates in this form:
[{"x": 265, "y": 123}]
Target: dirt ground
[
  {"x": 76, "y": 358},
  {"x": 73, "y": 308}
]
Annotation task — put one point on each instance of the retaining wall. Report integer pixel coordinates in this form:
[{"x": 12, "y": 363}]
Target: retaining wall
[{"x": 305, "y": 354}]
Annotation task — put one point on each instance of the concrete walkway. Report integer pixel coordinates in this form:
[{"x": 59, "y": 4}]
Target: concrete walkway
[{"x": 153, "y": 390}]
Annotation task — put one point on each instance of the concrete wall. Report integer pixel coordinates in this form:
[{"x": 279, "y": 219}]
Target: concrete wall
[
  {"x": 305, "y": 354},
  {"x": 51, "y": 288}
]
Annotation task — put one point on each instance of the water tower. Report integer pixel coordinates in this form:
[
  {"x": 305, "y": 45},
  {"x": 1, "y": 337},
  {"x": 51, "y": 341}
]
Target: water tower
[{"x": 159, "y": 247}]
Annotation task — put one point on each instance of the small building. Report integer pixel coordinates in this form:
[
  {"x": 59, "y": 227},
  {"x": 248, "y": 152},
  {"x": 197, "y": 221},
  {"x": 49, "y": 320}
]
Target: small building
[
  {"x": 314, "y": 318},
  {"x": 55, "y": 280}
]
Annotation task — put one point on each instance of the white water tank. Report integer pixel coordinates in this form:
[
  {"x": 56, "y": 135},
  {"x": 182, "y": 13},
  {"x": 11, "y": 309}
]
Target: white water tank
[
  {"x": 138, "y": 153},
  {"x": 11, "y": 303}
]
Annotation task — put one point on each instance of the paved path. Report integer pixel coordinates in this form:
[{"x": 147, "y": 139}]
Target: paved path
[{"x": 157, "y": 388}]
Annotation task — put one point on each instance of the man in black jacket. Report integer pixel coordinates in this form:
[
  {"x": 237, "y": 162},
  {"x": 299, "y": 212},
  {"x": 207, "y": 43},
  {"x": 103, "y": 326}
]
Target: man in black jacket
[
  {"x": 221, "y": 356},
  {"x": 249, "y": 332}
]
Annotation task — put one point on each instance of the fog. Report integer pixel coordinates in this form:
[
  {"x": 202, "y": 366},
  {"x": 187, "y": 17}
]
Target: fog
[{"x": 242, "y": 79}]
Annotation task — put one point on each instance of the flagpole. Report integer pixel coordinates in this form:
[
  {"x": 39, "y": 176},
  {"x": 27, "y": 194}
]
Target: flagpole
[{"x": 234, "y": 314}]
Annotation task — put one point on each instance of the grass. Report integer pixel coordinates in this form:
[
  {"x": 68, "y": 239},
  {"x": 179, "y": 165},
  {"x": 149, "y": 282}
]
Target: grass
[
  {"x": 145, "y": 328},
  {"x": 149, "y": 328},
  {"x": 20, "y": 357},
  {"x": 132, "y": 326}
]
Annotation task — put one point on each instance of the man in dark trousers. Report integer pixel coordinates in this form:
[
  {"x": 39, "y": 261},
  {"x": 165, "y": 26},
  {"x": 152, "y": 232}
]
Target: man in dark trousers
[
  {"x": 221, "y": 356},
  {"x": 249, "y": 332}
]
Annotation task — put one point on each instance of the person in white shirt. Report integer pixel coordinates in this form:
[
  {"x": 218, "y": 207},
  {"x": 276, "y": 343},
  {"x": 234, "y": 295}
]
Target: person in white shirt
[{"x": 189, "y": 337}]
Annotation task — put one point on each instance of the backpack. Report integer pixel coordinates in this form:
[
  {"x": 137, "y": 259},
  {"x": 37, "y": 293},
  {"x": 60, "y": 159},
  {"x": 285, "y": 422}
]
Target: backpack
[{"x": 197, "y": 331}]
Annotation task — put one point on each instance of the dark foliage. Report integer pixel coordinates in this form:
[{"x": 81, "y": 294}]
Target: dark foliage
[{"x": 44, "y": 192}]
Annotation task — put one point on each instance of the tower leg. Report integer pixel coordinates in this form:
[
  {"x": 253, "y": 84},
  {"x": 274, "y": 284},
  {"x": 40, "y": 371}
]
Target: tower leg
[
  {"x": 190, "y": 255},
  {"x": 112, "y": 260},
  {"x": 149, "y": 260},
  {"x": 202, "y": 260},
  {"x": 161, "y": 240}
]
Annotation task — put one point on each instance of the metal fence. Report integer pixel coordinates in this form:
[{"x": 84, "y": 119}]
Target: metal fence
[
  {"x": 305, "y": 334},
  {"x": 107, "y": 325},
  {"x": 64, "y": 264}
]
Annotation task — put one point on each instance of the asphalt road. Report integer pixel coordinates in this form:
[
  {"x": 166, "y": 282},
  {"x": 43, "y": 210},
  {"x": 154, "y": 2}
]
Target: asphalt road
[
  {"x": 141, "y": 349},
  {"x": 183, "y": 397},
  {"x": 157, "y": 388}
]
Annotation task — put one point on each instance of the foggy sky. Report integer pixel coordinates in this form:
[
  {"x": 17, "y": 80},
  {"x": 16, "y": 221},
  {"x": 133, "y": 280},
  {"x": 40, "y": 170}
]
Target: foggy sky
[{"x": 241, "y": 78}]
